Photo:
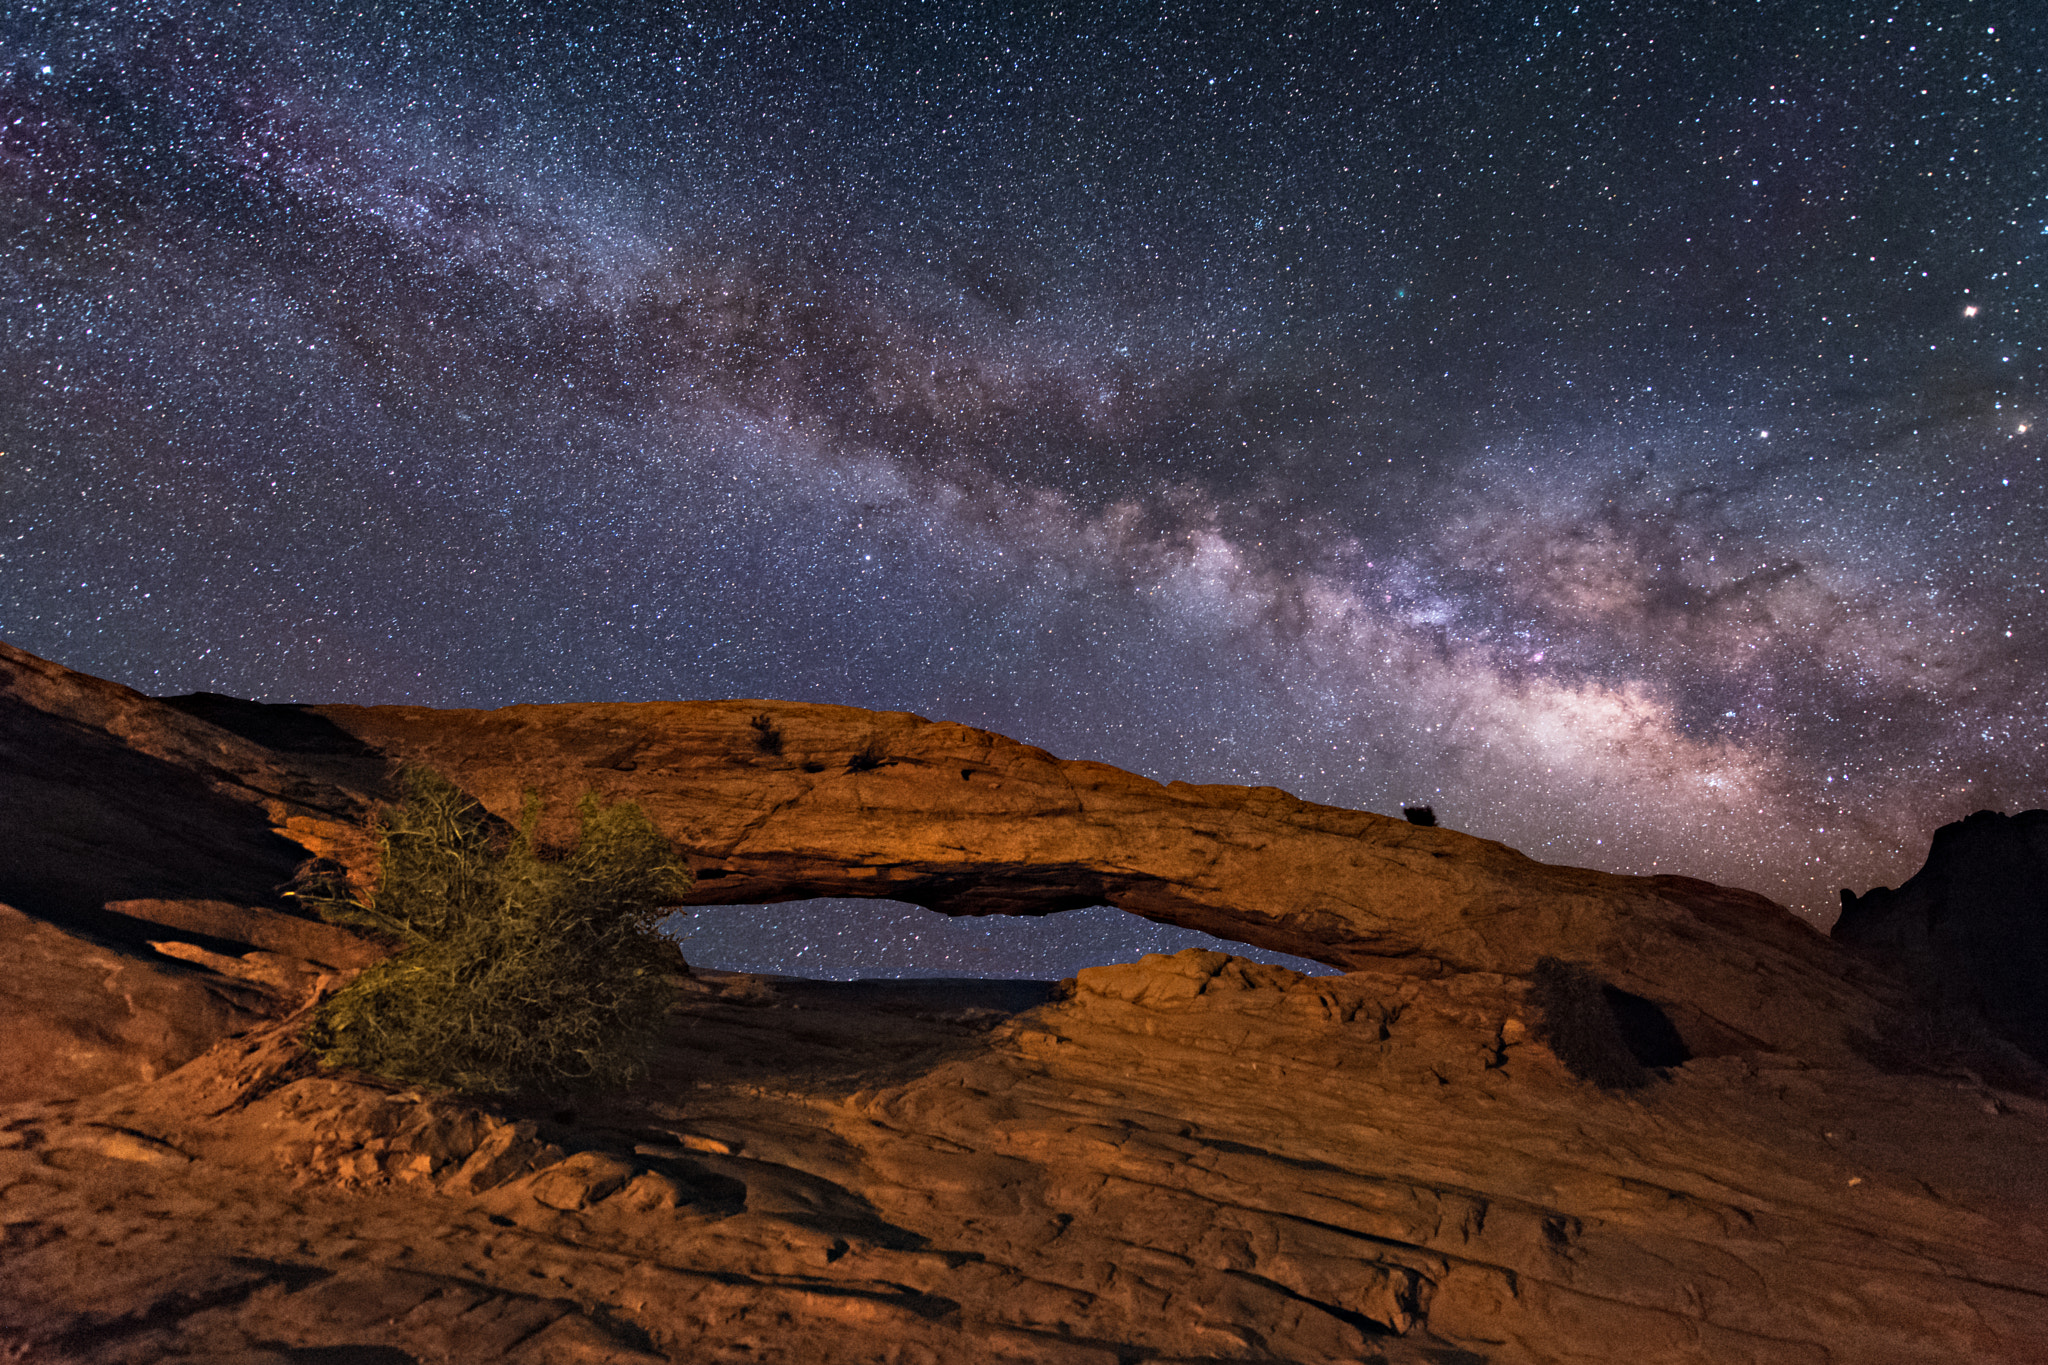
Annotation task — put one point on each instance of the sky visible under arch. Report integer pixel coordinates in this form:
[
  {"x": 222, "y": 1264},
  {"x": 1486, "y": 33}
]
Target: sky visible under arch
[{"x": 845, "y": 939}]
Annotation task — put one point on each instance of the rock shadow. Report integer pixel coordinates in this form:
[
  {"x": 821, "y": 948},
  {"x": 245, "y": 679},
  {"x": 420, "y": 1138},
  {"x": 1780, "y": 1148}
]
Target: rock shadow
[
  {"x": 286, "y": 727},
  {"x": 91, "y": 820},
  {"x": 744, "y": 1029}
]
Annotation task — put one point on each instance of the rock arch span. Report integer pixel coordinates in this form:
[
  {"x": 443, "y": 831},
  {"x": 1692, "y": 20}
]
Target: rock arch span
[
  {"x": 783, "y": 800},
  {"x": 849, "y": 802}
]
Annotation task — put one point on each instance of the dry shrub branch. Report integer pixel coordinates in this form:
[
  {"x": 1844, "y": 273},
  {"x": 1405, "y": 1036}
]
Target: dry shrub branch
[{"x": 517, "y": 970}]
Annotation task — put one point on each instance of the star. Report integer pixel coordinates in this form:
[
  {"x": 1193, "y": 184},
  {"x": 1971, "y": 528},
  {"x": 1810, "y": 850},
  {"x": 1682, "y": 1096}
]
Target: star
[{"x": 1238, "y": 409}]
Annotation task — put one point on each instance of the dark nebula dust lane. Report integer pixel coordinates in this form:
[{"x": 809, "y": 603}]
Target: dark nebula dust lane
[{"x": 1614, "y": 428}]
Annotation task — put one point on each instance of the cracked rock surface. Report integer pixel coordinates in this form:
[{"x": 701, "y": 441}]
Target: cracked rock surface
[{"x": 1188, "y": 1158}]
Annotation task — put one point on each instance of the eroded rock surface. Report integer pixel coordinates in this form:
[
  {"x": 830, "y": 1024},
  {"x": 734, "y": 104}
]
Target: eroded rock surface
[
  {"x": 142, "y": 853},
  {"x": 1186, "y": 1159},
  {"x": 1189, "y": 1158},
  {"x": 110, "y": 795},
  {"x": 780, "y": 800},
  {"x": 77, "y": 1017}
]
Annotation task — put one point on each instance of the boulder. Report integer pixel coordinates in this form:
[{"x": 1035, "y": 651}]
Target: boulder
[{"x": 582, "y": 1180}]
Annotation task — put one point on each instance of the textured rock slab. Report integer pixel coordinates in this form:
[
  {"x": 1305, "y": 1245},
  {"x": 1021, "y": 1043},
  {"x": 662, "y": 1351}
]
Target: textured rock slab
[
  {"x": 1187, "y": 1158},
  {"x": 79, "y": 1017},
  {"x": 142, "y": 857},
  {"x": 307, "y": 940},
  {"x": 86, "y": 1013},
  {"x": 110, "y": 795}
]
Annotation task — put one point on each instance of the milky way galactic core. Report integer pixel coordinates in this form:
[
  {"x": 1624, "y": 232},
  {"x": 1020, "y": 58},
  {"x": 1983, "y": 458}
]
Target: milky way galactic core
[{"x": 1614, "y": 427}]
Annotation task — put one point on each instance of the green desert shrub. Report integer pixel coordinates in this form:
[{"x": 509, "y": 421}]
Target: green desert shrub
[{"x": 517, "y": 969}]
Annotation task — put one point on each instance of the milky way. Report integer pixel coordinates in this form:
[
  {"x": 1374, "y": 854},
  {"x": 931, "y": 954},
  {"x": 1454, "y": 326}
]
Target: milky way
[{"x": 1609, "y": 430}]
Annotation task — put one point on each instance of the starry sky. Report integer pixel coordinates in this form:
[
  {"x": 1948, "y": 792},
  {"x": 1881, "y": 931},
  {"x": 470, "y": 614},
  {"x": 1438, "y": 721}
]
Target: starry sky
[{"x": 1614, "y": 425}]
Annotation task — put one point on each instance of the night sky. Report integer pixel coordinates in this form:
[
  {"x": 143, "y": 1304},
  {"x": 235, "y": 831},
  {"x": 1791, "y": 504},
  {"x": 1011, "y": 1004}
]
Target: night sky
[{"x": 1613, "y": 425}]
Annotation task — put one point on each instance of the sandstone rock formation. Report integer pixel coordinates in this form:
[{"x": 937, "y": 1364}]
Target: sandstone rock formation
[
  {"x": 860, "y": 803},
  {"x": 1190, "y": 1158},
  {"x": 78, "y": 1017},
  {"x": 852, "y": 802},
  {"x": 1970, "y": 928},
  {"x": 148, "y": 848}
]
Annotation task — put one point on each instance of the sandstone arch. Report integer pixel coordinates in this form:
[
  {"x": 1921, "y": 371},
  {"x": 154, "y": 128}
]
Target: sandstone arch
[
  {"x": 849, "y": 802},
  {"x": 966, "y": 822}
]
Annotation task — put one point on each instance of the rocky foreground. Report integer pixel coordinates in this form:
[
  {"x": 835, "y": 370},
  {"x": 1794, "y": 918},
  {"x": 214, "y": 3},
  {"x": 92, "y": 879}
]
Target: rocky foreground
[{"x": 1192, "y": 1158}]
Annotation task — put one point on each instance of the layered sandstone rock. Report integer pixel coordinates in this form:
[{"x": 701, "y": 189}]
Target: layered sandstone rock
[
  {"x": 1192, "y": 1158},
  {"x": 142, "y": 852},
  {"x": 861, "y": 803},
  {"x": 780, "y": 800},
  {"x": 83, "y": 1012},
  {"x": 1189, "y": 1158},
  {"x": 78, "y": 1017}
]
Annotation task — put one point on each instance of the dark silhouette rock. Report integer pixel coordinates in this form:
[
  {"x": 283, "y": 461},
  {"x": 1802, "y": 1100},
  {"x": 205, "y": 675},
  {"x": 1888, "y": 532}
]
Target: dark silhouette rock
[
  {"x": 283, "y": 727},
  {"x": 1420, "y": 815},
  {"x": 1970, "y": 928}
]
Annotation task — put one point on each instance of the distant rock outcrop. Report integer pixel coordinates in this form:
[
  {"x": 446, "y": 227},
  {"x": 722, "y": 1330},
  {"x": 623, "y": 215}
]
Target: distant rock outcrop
[{"x": 1970, "y": 928}]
